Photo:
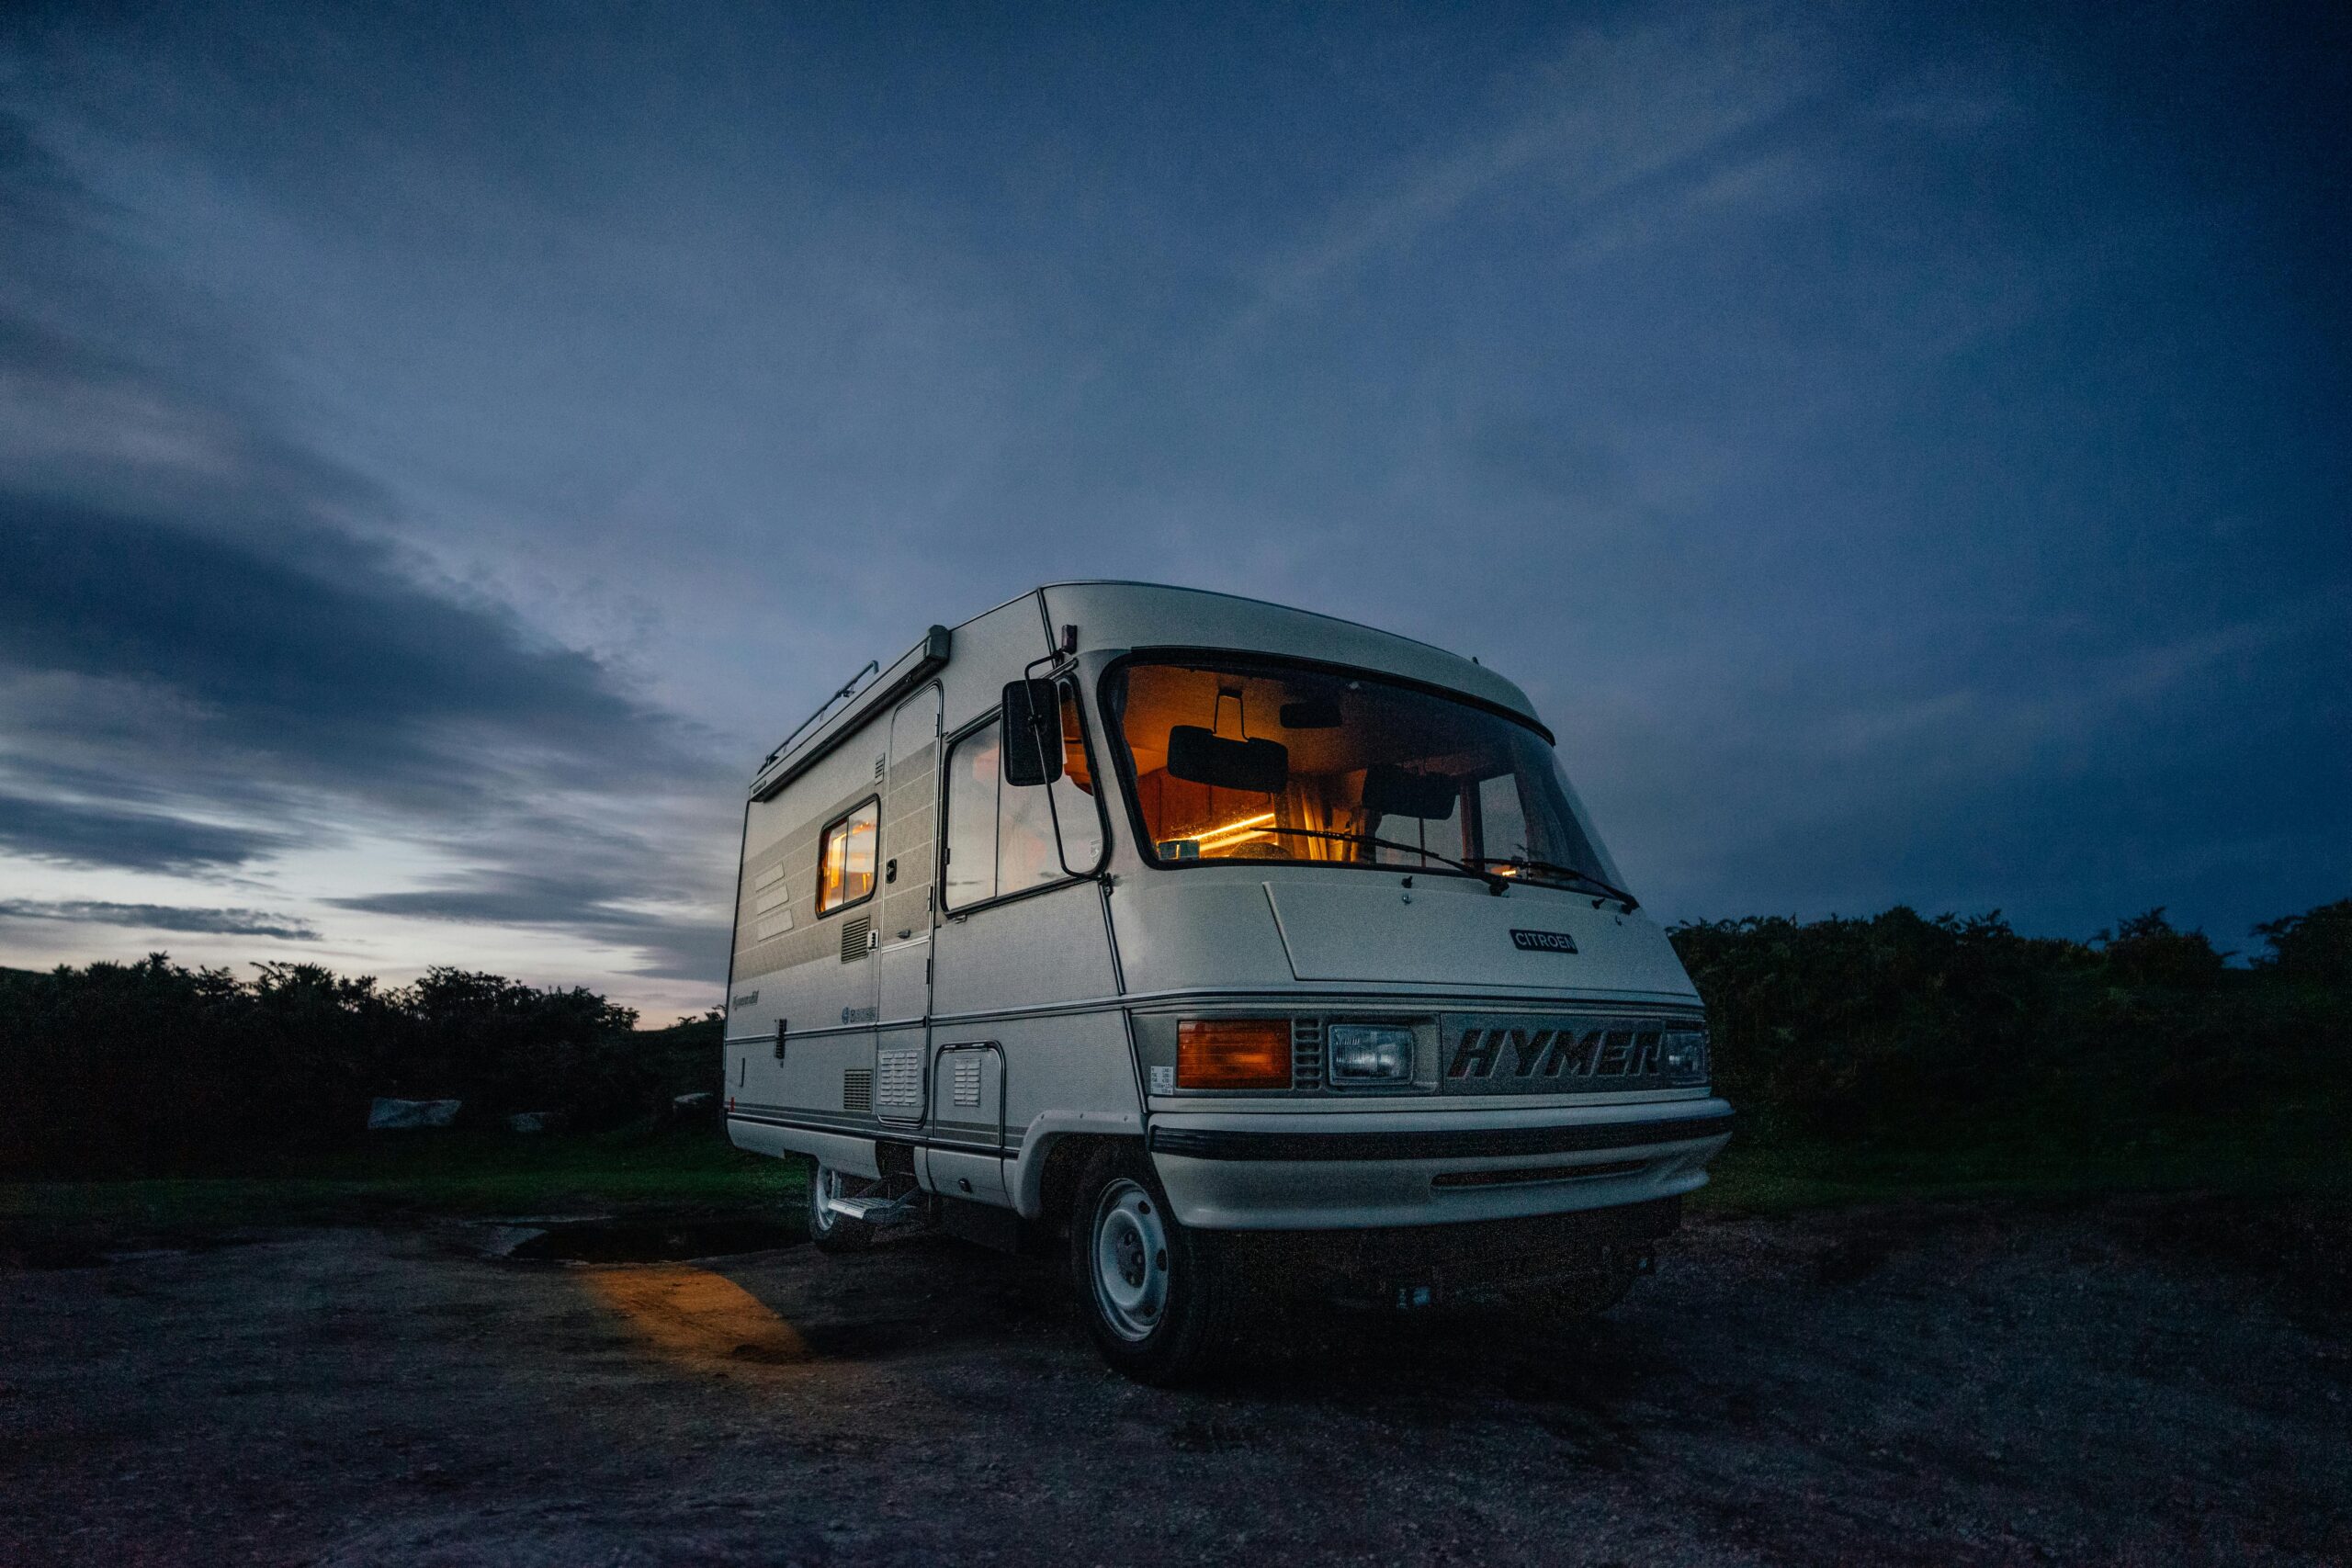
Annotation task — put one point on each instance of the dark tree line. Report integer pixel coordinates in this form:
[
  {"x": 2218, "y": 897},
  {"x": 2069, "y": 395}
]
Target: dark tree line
[
  {"x": 1895, "y": 1026},
  {"x": 156, "y": 1068},
  {"x": 1903, "y": 1026}
]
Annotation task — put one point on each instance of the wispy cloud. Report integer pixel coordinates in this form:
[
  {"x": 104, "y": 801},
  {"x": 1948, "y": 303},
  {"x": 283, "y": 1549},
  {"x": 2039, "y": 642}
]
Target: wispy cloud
[
  {"x": 1614, "y": 111},
  {"x": 85, "y": 834},
  {"x": 161, "y": 918},
  {"x": 210, "y": 660},
  {"x": 680, "y": 944}
]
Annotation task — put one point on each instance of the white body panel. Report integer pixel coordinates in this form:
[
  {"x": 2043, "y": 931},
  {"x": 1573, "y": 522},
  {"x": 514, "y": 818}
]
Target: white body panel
[
  {"x": 1023, "y": 1021},
  {"x": 1334, "y": 928}
]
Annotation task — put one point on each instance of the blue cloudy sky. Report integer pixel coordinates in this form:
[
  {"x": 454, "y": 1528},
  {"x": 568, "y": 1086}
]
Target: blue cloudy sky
[{"x": 443, "y": 446}]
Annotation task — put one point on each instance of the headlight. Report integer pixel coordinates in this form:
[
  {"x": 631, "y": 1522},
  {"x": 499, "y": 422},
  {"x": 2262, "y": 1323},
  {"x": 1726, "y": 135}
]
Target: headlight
[
  {"x": 1369, "y": 1052},
  {"x": 1684, "y": 1059}
]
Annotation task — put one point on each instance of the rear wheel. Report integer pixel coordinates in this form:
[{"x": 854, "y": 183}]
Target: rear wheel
[
  {"x": 1159, "y": 1299},
  {"x": 832, "y": 1231}
]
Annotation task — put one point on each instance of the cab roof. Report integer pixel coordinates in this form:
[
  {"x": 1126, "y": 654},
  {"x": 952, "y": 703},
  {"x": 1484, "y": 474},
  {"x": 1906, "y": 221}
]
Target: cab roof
[
  {"x": 1110, "y": 613},
  {"x": 1116, "y": 615}
]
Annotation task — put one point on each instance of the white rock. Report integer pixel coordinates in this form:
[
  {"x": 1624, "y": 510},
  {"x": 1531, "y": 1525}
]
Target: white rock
[{"x": 400, "y": 1115}]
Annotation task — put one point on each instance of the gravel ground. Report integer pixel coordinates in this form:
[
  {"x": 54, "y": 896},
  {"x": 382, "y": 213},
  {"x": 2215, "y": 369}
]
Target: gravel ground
[{"x": 2143, "y": 1382}]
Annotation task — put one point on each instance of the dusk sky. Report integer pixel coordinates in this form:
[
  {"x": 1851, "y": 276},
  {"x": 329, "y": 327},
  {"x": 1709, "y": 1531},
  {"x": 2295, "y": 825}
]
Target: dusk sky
[{"x": 443, "y": 448}]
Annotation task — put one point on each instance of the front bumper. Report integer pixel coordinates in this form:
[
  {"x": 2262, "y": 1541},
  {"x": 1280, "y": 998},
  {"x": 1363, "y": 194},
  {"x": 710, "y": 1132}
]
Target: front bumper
[{"x": 1333, "y": 1170}]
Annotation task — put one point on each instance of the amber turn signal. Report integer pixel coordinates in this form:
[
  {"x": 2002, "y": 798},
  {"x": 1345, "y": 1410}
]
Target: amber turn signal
[{"x": 1233, "y": 1053}]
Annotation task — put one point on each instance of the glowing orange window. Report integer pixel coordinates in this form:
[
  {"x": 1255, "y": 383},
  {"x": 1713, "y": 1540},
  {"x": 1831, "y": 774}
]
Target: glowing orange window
[{"x": 845, "y": 860}]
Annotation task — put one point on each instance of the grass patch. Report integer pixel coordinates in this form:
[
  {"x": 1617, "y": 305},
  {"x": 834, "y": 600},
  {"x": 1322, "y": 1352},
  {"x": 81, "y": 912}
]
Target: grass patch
[
  {"x": 2283, "y": 1156},
  {"x": 2298, "y": 1152},
  {"x": 434, "y": 1173}
]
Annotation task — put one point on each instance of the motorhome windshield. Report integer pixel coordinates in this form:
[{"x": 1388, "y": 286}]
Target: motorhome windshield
[{"x": 1260, "y": 759}]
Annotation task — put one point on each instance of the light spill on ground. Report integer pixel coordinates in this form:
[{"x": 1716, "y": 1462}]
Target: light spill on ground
[{"x": 694, "y": 1315}]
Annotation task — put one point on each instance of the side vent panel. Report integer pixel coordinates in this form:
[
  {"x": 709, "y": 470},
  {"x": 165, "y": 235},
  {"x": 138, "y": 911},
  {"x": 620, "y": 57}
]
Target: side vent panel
[
  {"x": 1306, "y": 1053},
  {"x": 857, "y": 1091},
  {"x": 857, "y": 935},
  {"x": 898, "y": 1094}
]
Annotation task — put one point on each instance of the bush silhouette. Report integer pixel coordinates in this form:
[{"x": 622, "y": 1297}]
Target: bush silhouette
[
  {"x": 155, "y": 1067},
  {"x": 1928, "y": 1030}
]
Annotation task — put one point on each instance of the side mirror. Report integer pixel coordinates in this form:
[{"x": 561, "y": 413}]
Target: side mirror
[{"x": 1032, "y": 733}]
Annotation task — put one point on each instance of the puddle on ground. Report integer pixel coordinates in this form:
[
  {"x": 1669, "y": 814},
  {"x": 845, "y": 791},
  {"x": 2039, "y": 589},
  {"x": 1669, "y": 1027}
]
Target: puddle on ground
[
  {"x": 22, "y": 1250},
  {"x": 67, "y": 1247},
  {"x": 641, "y": 1240}
]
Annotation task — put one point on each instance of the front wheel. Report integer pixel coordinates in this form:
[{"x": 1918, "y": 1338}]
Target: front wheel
[
  {"x": 832, "y": 1231},
  {"x": 1159, "y": 1299}
]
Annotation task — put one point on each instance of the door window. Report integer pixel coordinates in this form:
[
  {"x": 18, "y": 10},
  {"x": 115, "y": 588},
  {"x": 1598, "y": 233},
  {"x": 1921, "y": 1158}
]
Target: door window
[
  {"x": 845, "y": 860},
  {"x": 971, "y": 818},
  {"x": 1004, "y": 838}
]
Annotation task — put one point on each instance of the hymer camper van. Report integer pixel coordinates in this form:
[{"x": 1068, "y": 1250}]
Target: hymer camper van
[{"x": 1246, "y": 947}]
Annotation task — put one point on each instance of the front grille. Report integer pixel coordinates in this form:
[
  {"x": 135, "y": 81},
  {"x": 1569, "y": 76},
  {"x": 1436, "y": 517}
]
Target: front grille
[
  {"x": 856, "y": 937},
  {"x": 1306, "y": 1053},
  {"x": 857, "y": 1090},
  {"x": 1572, "y": 1054}
]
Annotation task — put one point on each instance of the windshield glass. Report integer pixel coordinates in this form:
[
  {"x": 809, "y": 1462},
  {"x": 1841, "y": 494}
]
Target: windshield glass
[{"x": 1257, "y": 759}]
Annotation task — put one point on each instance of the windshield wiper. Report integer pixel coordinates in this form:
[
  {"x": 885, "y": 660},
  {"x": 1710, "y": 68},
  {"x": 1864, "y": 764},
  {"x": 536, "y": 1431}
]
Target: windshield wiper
[
  {"x": 1552, "y": 868},
  {"x": 1496, "y": 882}
]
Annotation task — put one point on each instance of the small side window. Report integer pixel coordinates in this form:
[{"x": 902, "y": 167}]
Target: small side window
[
  {"x": 1075, "y": 813},
  {"x": 845, "y": 859}
]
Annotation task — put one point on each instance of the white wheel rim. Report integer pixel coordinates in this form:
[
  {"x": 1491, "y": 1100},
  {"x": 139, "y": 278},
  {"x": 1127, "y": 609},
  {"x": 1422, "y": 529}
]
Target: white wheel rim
[
  {"x": 827, "y": 1187},
  {"x": 1130, "y": 1260}
]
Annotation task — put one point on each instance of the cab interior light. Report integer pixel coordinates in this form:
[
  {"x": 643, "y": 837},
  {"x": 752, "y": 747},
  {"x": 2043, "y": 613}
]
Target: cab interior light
[{"x": 1234, "y": 832}]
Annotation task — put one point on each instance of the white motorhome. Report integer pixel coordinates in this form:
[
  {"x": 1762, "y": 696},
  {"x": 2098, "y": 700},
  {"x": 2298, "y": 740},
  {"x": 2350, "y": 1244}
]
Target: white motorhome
[{"x": 1246, "y": 946}]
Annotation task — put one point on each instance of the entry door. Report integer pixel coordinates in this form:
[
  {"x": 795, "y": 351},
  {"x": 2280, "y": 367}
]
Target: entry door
[{"x": 902, "y": 958}]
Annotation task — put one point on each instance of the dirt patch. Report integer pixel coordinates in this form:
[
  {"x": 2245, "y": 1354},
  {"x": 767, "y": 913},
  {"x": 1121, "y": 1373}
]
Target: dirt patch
[
  {"x": 2302, "y": 1251},
  {"x": 1963, "y": 1385}
]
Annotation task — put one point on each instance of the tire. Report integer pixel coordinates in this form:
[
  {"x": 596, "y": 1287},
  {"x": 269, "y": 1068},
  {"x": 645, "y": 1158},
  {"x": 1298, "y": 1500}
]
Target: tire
[
  {"x": 828, "y": 1231},
  {"x": 1159, "y": 1300}
]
